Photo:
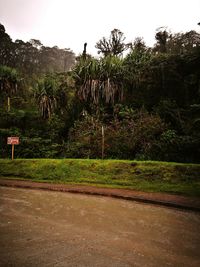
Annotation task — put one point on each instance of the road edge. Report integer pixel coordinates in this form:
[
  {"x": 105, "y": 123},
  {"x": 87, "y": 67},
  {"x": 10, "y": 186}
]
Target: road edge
[{"x": 167, "y": 200}]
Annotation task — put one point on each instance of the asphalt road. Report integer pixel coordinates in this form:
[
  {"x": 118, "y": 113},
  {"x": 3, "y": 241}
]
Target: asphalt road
[{"x": 43, "y": 228}]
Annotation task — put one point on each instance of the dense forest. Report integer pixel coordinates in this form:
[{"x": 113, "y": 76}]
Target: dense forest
[{"x": 145, "y": 100}]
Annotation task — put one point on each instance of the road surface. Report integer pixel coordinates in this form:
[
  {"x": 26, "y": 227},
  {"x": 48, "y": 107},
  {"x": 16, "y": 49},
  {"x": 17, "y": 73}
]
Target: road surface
[{"x": 42, "y": 228}]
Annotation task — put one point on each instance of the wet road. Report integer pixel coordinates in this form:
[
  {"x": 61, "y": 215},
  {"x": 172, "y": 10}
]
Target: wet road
[{"x": 41, "y": 228}]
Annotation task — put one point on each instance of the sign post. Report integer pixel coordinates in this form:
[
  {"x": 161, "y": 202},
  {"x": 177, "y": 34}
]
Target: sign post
[
  {"x": 13, "y": 141},
  {"x": 13, "y": 149}
]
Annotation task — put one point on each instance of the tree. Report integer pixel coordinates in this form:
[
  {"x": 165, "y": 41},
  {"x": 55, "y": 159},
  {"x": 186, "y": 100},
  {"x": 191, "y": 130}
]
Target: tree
[
  {"x": 176, "y": 43},
  {"x": 5, "y": 47},
  {"x": 99, "y": 81},
  {"x": 54, "y": 94},
  {"x": 9, "y": 80},
  {"x": 136, "y": 68},
  {"x": 138, "y": 45},
  {"x": 161, "y": 37},
  {"x": 113, "y": 46},
  {"x": 46, "y": 96}
]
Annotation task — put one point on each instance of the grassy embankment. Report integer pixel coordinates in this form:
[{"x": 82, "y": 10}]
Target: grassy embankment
[{"x": 145, "y": 176}]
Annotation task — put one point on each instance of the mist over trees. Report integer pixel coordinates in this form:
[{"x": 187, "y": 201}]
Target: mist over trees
[
  {"x": 33, "y": 58},
  {"x": 147, "y": 100}
]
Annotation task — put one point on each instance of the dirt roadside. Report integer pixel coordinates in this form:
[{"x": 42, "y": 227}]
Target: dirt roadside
[
  {"x": 55, "y": 229},
  {"x": 169, "y": 200}
]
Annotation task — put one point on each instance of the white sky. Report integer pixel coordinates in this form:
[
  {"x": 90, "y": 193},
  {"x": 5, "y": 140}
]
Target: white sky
[{"x": 71, "y": 23}]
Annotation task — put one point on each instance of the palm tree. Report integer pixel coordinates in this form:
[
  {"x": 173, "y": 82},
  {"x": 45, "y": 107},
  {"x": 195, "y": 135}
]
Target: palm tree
[
  {"x": 9, "y": 80},
  {"x": 46, "y": 96},
  {"x": 54, "y": 94},
  {"x": 99, "y": 80}
]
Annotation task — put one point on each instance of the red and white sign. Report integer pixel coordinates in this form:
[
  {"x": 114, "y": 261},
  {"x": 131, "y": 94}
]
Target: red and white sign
[{"x": 13, "y": 141}]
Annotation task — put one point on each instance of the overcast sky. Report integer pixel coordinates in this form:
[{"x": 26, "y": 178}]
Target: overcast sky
[{"x": 71, "y": 23}]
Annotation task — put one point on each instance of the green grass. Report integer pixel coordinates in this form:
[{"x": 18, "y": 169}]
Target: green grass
[{"x": 150, "y": 176}]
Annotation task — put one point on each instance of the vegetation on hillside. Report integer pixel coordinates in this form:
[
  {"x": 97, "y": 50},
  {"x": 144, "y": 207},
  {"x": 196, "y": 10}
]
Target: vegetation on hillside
[{"x": 147, "y": 101}]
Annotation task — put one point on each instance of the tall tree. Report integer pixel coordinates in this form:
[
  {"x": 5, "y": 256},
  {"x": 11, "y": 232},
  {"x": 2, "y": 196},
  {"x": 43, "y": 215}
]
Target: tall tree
[
  {"x": 114, "y": 45},
  {"x": 9, "y": 80}
]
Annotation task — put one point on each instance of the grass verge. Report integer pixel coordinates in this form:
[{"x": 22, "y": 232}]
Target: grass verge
[{"x": 149, "y": 176}]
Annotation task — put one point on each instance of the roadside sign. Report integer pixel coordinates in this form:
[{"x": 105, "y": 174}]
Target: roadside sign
[{"x": 13, "y": 140}]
